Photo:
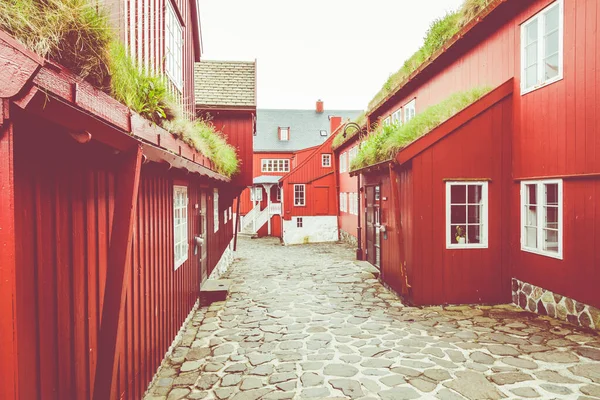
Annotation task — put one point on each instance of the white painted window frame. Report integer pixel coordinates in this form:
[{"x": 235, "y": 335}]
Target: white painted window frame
[
  {"x": 256, "y": 193},
  {"x": 276, "y": 165},
  {"x": 344, "y": 162},
  {"x": 180, "y": 256},
  {"x": 216, "y": 209},
  {"x": 387, "y": 121},
  {"x": 282, "y": 137},
  {"x": 352, "y": 153},
  {"x": 173, "y": 47},
  {"x": 299, "y": 202},
  {"x": 326, "y": 160},
  {"x": 540, "y": 17},
  {"x": 410, "y": 110},
  {"x": 541, "y": 216},
  {"x": 484, "y": 215},
  {"x": 299, "y": 222},
  {"x": 397, "y": 116}
]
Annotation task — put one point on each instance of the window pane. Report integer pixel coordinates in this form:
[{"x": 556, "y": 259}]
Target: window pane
[
  {"x": 531, "y": 215},
  {"x": 475, "y": 194},
  {"x": 551, "y": 67},
  {"x": 531, "y": 194},
  {"x": 551, "y": 240},
  {"x": 551, "y": 44},
  {"x": 458, "y": 194},
  {"x": 531, "y": 76},
  {"x": 531, "y": 55},
  {"x": 531, "y": 237},
  {"x": 531, "y": 32},
  {"x": 551, "y": 217},
  {"x": 458, "y": 234},
  {"x": 474, "y": 234},
  {"x": 552, "y": 17},
  {"x": 551, "y": 194},
  {"x": 458, "y": 214},
  {"x": 474, "y": 214}
]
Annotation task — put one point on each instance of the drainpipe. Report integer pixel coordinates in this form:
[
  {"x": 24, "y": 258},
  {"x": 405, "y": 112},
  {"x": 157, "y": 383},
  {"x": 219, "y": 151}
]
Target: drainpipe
[{"x": 237, "y": 222}]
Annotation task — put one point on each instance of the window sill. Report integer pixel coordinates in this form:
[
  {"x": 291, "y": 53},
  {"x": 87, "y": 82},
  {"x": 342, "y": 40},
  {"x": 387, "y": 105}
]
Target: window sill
[
  {"x": 541, "y": 85},
  {"x": 179, "y": 263},
  {"x": 557, "y": 256},
  {"x": 466, "y": 246}
]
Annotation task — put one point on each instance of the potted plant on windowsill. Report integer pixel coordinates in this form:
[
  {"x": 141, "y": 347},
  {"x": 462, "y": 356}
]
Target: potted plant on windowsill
[{"x": 460, "y": 235}]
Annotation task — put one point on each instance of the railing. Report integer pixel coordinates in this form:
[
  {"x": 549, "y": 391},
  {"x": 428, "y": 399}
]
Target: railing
[
  {"x": 275, "y": 209},
  {"x": 261, "y": 219},
  {"x": 248, "y": 218}
]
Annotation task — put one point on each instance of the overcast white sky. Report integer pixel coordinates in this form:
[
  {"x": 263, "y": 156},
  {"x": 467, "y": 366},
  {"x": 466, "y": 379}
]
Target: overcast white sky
[{"x": 338, "y": 51}]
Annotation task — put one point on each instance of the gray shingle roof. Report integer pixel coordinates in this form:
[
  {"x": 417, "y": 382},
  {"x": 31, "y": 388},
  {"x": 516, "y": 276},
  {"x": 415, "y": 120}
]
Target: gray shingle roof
[
  {"x": 305, "y": 127},
  {"x": 225, "y": 83}
]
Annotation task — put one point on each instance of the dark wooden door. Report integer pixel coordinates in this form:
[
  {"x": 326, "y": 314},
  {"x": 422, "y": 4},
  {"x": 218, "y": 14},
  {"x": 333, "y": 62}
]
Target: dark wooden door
[{"x": 372, "y": 220}]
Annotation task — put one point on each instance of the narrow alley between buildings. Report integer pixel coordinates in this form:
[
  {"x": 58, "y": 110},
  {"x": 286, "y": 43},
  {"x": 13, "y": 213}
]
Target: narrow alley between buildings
[{"x": 310, "y": 322}]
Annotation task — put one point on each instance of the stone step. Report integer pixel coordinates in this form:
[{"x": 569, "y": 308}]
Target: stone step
[
  {"x": 368, "y": 267},
  {"x": 213, "y": 290},
  {"x": 251, "y": 235}
]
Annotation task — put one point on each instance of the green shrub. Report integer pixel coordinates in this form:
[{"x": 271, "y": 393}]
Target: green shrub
[{"x": 386, "y": 141}]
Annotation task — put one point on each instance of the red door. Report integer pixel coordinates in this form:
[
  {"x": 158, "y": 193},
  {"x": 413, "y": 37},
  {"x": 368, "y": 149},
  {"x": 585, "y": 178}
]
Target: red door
[{"x": 321, "y": 201}]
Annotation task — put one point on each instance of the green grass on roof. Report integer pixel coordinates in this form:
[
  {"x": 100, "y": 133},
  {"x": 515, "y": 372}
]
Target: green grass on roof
[
  {"x": 440, "y": 31},
  {"x": 386, "y": 141},
  {"x": 78, "y": 35},
  {"x": 339, "y": 139}
]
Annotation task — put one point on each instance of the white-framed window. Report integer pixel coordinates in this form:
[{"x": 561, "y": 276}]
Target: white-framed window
[
  {"x": 343, "y": 202},
  {"x": 230, "y": 213},
  {"x": 180, "y": 218},
  {"x": 542, "y": 48},
  {"x": 397, "y": 116},
  {"x": 299, "y": 222},
  {"x": 275, "y": 165},
  {"x": 173, "y": 47},
  {"x": 284, "y": 133},
  {"x": 299, "y": 195},
  {"x": 326, "y": 160},
  {"x": 353, "y": 206},
  {"x": 278, "y": 193},
  {"x": 216, "y": 208},
  {"x": 323, "y": 132},
  {"x": 344, "y": 162},
  {"x": 256, "y": 193},
  {"x": 410, "y": 110},
  {"x": 541, "y": 217},
  {"x": 466, "y": 215},
  {"x": 387, "y": 121},
  {"x": 352, "y": 154}
]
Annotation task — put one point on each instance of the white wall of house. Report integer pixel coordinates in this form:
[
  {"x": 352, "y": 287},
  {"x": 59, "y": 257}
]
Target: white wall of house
[{"x": 313, "y": 230}]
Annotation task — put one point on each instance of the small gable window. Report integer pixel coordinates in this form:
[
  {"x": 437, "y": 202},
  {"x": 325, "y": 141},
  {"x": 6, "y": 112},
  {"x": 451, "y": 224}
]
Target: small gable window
[
  {"x": 284, "y": 133},
  {"x": 326, "y": 160}
]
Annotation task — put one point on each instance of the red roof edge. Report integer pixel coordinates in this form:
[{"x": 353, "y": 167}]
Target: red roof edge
[
  {"x": 446, "y": 47},
  {"x": 447, "y": 127}
]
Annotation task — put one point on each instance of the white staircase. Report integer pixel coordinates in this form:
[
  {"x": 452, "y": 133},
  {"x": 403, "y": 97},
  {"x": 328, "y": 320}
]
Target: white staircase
[{"x": 254, "y": 220}]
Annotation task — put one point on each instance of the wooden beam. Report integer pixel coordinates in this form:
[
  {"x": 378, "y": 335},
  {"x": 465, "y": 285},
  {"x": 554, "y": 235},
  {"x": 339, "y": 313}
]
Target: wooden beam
[
  {"x": 395, "y": 194},
  {"x": 8, "y": 325},
  {"x": 117, "y": 274}
]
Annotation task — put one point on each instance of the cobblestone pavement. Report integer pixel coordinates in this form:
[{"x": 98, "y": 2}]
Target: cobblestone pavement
[{"x": 307, "y": 322}]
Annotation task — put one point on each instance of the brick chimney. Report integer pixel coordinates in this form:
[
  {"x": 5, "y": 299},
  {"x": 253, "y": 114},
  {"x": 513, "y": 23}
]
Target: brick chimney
[{"x": 320, "y": 106}]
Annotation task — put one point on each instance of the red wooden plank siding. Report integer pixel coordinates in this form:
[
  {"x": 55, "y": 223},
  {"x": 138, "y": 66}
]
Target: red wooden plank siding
[{"x": 65, "y": 206}]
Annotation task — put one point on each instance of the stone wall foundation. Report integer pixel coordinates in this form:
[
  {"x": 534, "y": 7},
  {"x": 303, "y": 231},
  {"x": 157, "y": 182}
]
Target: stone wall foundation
[
  {"x": 541, "y": 301},
  {"x": 348, "y": 238}
]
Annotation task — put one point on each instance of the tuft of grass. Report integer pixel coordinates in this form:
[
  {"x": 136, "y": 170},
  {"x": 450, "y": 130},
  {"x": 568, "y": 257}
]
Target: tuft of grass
[
  {"x": 470, "y": 9},
  {"x": 143, "y": 92},
  {"x": 339, "y": 139},
  {"x": 71, "y": 32},
  {"x": 440, "y": 31},
  {"x": 202, "y": 135},
  {"x": 386, "y": 141},
  {"x": 78, "y": 35}
]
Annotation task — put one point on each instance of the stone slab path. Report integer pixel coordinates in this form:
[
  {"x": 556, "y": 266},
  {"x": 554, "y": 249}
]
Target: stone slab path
[{"x": 308, "y": 322}]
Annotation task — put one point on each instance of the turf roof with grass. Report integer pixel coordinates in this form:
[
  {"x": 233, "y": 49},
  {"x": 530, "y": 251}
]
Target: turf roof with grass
[
  {"x": 77, "y": 34},
  {"x": 387, "y": 140},
  {"x": 439, "y": 33}
]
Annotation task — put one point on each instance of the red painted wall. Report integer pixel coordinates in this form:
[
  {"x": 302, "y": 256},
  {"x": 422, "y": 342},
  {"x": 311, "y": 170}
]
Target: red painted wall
[
  {"x": 347, "y": 184},
  {"x": 555, "y": 131},
  {"x": 238, "y": 128},
  {"x": 64, "y": 209}
]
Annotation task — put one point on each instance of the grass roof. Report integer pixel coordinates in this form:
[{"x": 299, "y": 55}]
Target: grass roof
[
  {"x": 386, "y": 141},
  {"x": 77, "y": 34},
  {"x": 339, "y": 139},
  {"x": 440, "y": 31}
]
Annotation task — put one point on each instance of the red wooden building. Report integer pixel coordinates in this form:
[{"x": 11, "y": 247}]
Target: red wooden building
[
  {"x": 108, "y": 224},
  {"x": 517, "y": 171},
  {"x": 285, "y": 141}
]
